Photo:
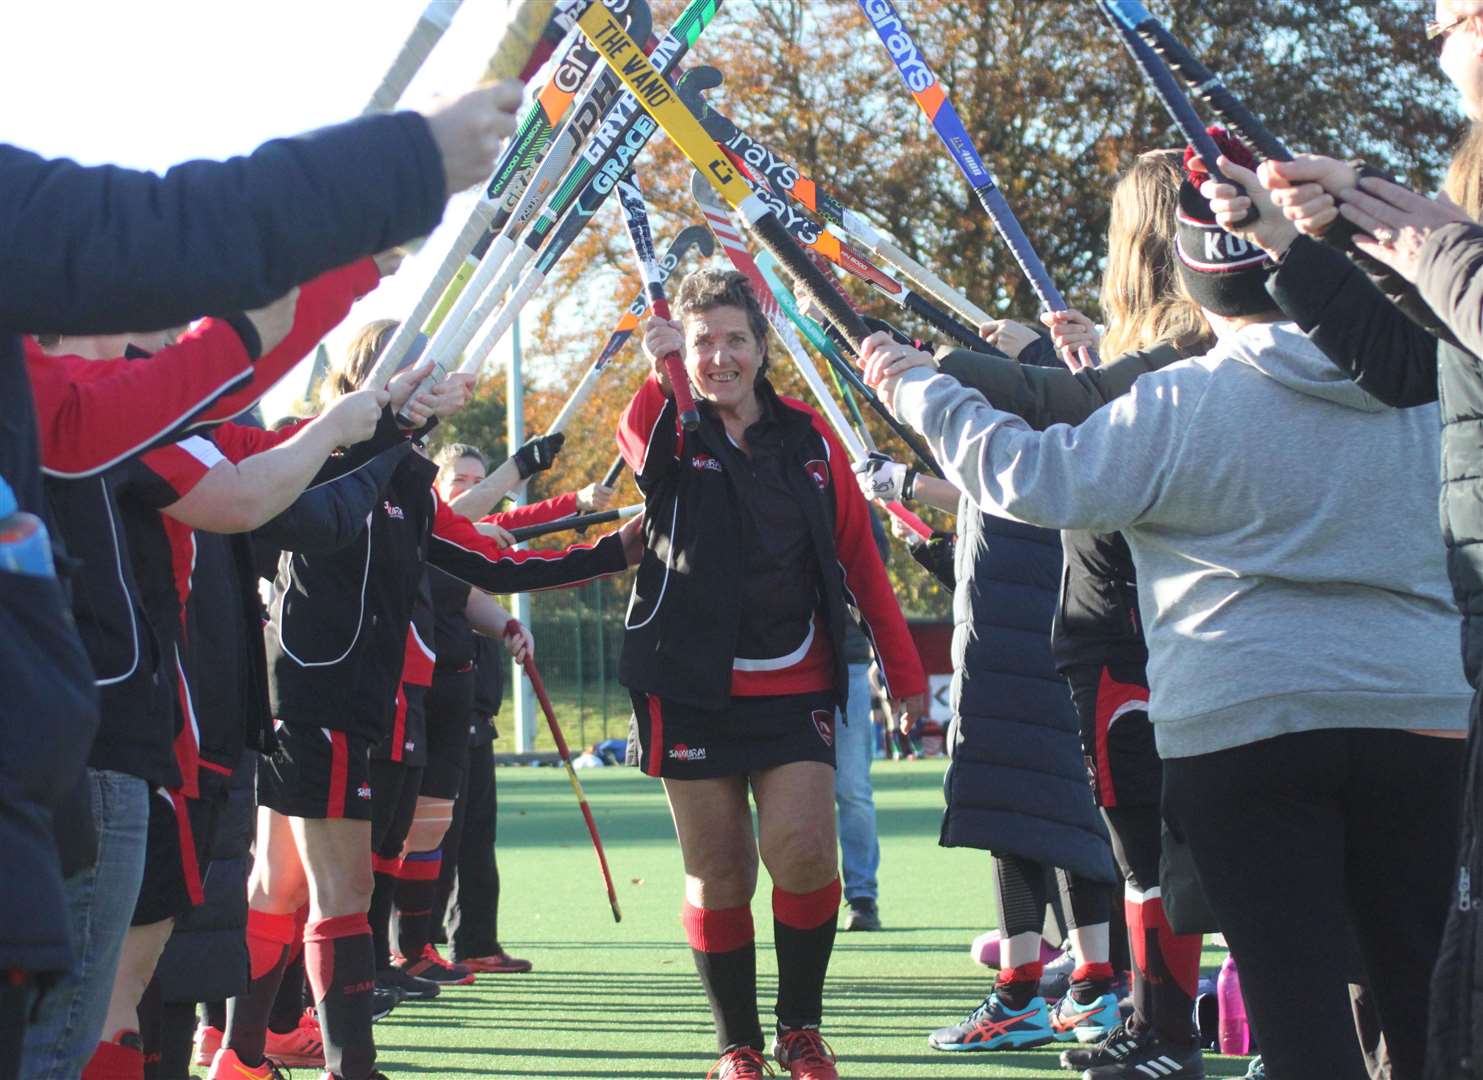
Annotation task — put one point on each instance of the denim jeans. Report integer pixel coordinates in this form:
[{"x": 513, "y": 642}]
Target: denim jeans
[
  {"x": 100, "y": 903},
  {"x": 854, "y": 747}
]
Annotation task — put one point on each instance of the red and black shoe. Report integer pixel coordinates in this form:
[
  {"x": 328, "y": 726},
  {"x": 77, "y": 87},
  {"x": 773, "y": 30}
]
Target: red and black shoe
[
  {"x": 432, "y": 967},
  {"x": 497, "y": 962},
  {"x": 742, "y": 1063},
  {"x": 805, "y": 1054}
]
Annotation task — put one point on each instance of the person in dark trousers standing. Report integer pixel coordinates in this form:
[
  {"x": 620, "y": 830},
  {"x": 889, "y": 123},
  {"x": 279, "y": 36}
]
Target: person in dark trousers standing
[{"x": 1285, "y": 787}]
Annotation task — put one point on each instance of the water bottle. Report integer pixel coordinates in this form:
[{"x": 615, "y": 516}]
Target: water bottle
[
  {"x": 1235, "y": 1031},
  {"x": 25, "y": 547}
]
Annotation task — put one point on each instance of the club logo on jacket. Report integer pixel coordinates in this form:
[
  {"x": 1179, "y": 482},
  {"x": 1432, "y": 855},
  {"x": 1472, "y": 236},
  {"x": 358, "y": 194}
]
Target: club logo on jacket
[
  {"x": 819, "y": 470},
  {"x": 363, "y": 792},
  {"x": 394, "y": 512},
  {"x": 824, "y": 725},
  {"x": 704, "y": 463},
  {"x": 681, "y": 752}
]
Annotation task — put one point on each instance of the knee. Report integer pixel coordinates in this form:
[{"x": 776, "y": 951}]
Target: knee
[
  {"x": 429, "y": 826},
  {"x": 343, "y": 890},
  {"x": 801, "y": 859},
  {"x": 721, "y": 880},
  {"x": 275, "y": 893}
]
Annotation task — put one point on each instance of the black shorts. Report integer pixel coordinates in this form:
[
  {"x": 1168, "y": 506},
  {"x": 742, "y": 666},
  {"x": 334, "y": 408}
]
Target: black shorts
[
  {"x": 749, "y": 735},
  {"x": 177, "y": 848},
  {"x": 449, "y": 702},
  {"x": 1117, "y": 741},
  {"x": 395, "y": 803},
  {"x": 317, "y": 773},
  {"x": 407, "y": 743}
]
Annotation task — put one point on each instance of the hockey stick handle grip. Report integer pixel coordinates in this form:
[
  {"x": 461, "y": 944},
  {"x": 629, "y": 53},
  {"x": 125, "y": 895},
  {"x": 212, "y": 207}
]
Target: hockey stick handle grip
[
  {"x": 809, "y": 281},
  {"x": 929, "y": 281},
  {"x": 993, "y": 201},
  {"x": 674, "y": 368},
  {"x": 432, "y": 24},
  {"x": 910, "y": 520},
  {"x": 1201, "y": 80},
  {"x": 576, "y": 521},
  {"x": 935, "y": 316},
  {"x": 615, "y": 470}
]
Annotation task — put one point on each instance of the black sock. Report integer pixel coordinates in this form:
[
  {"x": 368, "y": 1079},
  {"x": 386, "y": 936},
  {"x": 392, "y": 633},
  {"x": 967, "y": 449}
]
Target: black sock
[
  {"x": 288, "y": 1005},
  {"x": 214, "y": 1014},
  {"x": 177, "y": 1030},
  {"x": 1091, "y": 981},
  {"x": 337, "y": 957},
  {"x": 379, "y": 914},
  {"x": 1016, "y": 987},
  {"x": 723, "y": 944},
  {"x": 151, "y": 1022},
  {"x": 269, "y": 938},
  {"x": 803, "y": 935},
  {"x": 416, "y": 891}
]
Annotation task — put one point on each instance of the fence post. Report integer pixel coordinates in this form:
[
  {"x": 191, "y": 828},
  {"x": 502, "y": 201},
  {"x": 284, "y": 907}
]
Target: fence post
[{"x": 524, "y": 701}]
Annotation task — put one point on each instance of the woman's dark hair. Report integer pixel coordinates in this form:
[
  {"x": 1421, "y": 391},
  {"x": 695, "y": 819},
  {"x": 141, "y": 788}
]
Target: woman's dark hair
[{"x": 706, "y": 290}]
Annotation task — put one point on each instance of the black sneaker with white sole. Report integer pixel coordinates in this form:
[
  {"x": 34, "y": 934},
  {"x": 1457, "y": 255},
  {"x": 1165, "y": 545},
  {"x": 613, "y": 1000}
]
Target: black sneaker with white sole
[
  {"x": 1152, "y": 1059},
  {"x": 1117, "y": 1046}
]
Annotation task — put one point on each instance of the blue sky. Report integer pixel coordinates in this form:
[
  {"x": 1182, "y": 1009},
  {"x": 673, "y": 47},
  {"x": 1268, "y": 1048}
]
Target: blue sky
[{"x": 148, "y": 83}]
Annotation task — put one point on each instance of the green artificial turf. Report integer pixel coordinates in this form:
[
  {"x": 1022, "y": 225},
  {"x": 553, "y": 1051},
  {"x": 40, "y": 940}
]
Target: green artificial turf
[{"x": 622, "y": 1000}]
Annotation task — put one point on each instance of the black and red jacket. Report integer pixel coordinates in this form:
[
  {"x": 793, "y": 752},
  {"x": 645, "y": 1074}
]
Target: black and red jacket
[
  {"x": 684, "y": 621},
  {"x": 337, "y": 628}
]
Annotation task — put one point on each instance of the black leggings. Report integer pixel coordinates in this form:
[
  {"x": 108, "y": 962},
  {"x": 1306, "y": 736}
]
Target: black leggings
[
  {"x": 1306, "y": 842},
  {"x": 469, "y": 887},
  {"x": 1024, "y": 888}
]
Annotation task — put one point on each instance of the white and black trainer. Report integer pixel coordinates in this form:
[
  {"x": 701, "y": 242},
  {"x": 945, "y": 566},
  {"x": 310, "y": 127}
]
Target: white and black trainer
[
  {"x": 1152, "y": 1059},
  {"x": 1118, "y": 1045}
]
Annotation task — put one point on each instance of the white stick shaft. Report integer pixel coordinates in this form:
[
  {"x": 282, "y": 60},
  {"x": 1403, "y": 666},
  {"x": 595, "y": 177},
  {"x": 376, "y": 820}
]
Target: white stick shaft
[
  {"x": 396, "y": 349},
  {"x": 576, "y": 400},
  {"x": 432, "y": 24},
  {"x": 453, "y": 336},
  {"x": 929, "y": 282},
  {"x": 503, "y": 321}
]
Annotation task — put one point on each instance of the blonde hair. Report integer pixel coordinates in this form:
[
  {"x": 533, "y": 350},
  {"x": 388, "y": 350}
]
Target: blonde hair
[
  {"x": 1464, "y": 183},
  {"x": 1143, "y": 301},
  {"x": 360, "y": 357}
]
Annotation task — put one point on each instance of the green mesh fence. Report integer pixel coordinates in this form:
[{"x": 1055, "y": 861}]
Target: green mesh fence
[{"x": 578, "y": 633}]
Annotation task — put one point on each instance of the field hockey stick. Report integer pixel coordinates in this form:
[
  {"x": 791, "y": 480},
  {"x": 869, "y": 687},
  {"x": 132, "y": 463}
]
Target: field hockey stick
[
  {"x": 615, "y": 470},
  {"x": 1176, "y": 103},
  {"x": 731, "y": 242},
  {"x": 531, "y": 673},
  {"x": 932, "y": 99},
  {"x": 432, "y": 24},
  {"x": 790, "y": 180},
  {"x": 621, "y": 135},
  {"x": 559, "y": 225},
  {"x": 822, "y": 344},
  {"x": 692, "y": 236},
  {"x": 576, "y": 521},
  {"x": 636, "y": 219},
  {"x": 510, "y": 177},
  {"x": 1202, "y": 82},
  {"x": 767, "y": 299}
]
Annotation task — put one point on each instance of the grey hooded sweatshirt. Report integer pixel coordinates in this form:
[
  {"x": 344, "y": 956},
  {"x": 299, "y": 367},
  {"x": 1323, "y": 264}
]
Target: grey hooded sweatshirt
[{"x": 1284, "y": 525}]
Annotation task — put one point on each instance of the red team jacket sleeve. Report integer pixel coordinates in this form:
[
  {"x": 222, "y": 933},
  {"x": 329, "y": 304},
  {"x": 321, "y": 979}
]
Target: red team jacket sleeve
[
  {"x": 207, "y": 376},
  {"x": 84, "y": 423},
  {"x": 463, "y": 551},
  {"x": 323, "y": 305},
  {"x": 649, "y": 434},
  {"x": 867, "y": 587},
  {"x": 238, "y": 441},
  {"x": 169, "y": 473},
  {"x": 539, "y": 513}
]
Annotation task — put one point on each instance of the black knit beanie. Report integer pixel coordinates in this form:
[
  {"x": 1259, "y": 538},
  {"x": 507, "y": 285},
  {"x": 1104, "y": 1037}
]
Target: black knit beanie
[{"x": 1224, "y": 273}]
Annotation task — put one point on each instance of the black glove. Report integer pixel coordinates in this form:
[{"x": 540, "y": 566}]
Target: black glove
[{"x": 538, "y": 455}]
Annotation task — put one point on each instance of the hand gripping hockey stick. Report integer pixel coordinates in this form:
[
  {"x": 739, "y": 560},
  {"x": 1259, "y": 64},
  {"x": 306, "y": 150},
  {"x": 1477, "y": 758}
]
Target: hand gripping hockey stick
[
  {"x": 1176, "y": 103},
  {"x": 692, "y": 236},
  {"x": 636, "y": 218},
  {"x": 933, "y": 101},
  {"x": 536, "y": 684}
]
